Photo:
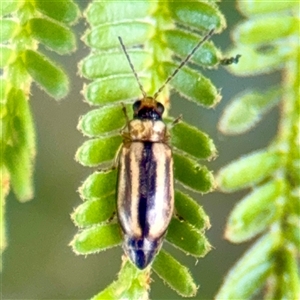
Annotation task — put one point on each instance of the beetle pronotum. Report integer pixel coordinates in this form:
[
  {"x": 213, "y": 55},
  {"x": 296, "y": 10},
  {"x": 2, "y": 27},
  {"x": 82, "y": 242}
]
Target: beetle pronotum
[{"x": 145, "y": 198}]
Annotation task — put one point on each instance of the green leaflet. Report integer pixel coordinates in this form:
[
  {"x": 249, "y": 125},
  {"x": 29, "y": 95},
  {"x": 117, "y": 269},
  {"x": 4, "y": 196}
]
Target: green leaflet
[
  {"x": 9, "y": 6},
  {"x": 266, "y": 30},
  {"x": 112, "y": 11},
  {"x": 251, "y": 271},
  {"x": 191, "y": 140},
  {"x": 182, "y": 42},
  {"x": 247, "y": 109},
  {"x": 8, "y": 29},
  {"x": 255, "y": 212},
  {"x": 187, "y": 238},
  {"x": 18, "y": 143},
  {"x": 113, "y": 63},
  {"x": 95, "y": 211},
  {"x": 261, "y": 7},
  {"x": 131, "y": 284},
  {"x": 194, "y": 86},
  {"x": 50, "y": 77},
  {"x": 93, "y": 152},
  {"x": 192, "y": 175},
  {"x": 105, "y": 36},
  {"x": 255, "y": 167},
  {"x": 257, "y": 62},
  {"x": 63, "y": 11},
  {"x": 174, "y": 274},
  {"x": 103, "y": 91},
  {"x": 99, "y": 184},
  {"x": 97, "y": 238},
  {"x": 102, "y": 121},
  {"x": 189, "y": 210},
  {"x": 197, "y": 15},
  {"x": 53, "y": 35}
]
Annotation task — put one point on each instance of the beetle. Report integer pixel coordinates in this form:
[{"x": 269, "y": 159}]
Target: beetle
[{"x": 145, "y": 193}]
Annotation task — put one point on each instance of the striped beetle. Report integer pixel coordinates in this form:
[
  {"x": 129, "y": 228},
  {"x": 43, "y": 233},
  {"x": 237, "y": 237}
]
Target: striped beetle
[{"x": 145, "y": 197}]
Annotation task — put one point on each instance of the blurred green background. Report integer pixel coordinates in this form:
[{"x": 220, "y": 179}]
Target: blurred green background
[{"x": 39, "y": 264}]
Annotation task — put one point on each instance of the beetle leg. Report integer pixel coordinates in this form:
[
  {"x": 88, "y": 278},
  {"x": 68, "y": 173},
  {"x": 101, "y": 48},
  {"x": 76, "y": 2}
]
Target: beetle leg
[
  {"x": 116, "y": 158},
  {"x": 126, "y": 115},
  {"x": 175, "y": 122}
]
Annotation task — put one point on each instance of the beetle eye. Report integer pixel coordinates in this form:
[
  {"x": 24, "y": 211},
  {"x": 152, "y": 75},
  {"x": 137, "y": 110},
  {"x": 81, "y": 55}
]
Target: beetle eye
[
  {"x": 136, "y": 106},
  {"x": 160, "y": 108}
]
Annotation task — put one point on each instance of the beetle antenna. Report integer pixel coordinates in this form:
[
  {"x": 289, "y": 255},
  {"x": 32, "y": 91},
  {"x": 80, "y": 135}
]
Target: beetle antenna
[
  {"x": 132, "y": 67},
  {"x": 184, "y": 61}
]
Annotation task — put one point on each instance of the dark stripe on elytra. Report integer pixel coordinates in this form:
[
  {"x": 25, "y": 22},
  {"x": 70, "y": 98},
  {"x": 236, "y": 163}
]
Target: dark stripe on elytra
[
  {"x": 147, "y": 183},
  {"x": 128, "y": 178},
  {"x": 168, "y": 179}
]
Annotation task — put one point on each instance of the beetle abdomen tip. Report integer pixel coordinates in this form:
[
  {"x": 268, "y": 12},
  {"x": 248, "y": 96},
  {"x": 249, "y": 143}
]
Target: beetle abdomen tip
[
  {"x": 141, "y": 258},
  {"x": 142, "y": 251}
]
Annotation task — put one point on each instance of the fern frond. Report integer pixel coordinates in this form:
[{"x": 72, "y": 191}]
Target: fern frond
[
  {"x": 157, "y": 35},
  {"x": 268, "y": 41},
  {"x": 25, "y": 25}
]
